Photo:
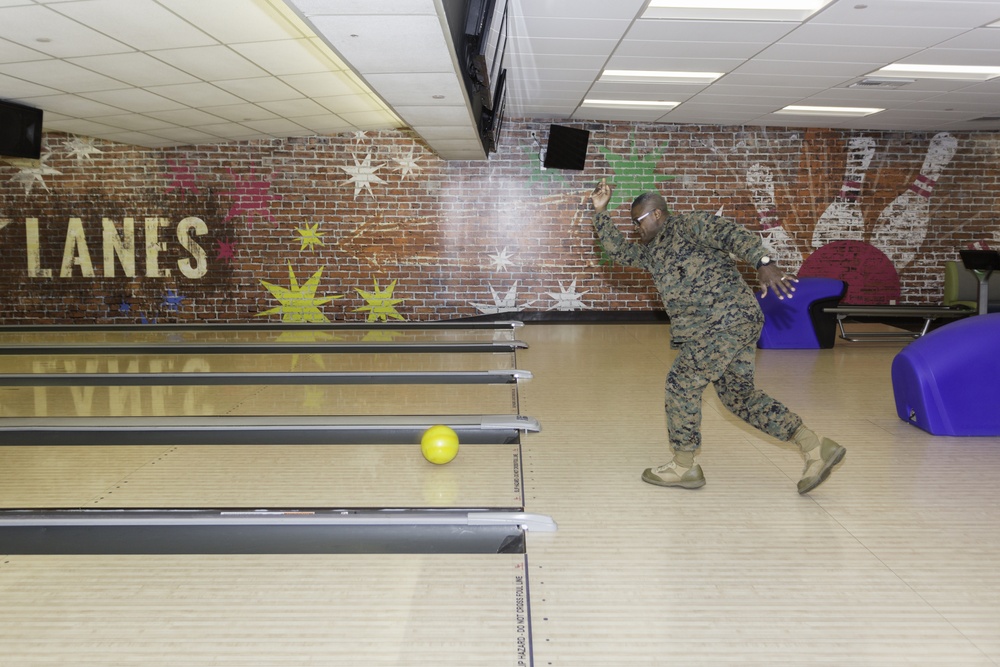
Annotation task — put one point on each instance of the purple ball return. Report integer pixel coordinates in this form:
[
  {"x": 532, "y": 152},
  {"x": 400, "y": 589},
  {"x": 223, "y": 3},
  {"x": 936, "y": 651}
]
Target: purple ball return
[
  {"x": 799, "y": 322},
  {"x": 948, "y": 382}
]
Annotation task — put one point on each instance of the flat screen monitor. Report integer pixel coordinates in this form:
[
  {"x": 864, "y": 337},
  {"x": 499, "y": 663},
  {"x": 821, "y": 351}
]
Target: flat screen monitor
[
  {"x": 20, "y": 130},
  {"x": 567, "y": 148}
]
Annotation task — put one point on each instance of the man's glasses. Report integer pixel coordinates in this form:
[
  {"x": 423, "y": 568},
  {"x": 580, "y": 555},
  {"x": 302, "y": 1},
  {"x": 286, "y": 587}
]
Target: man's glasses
[{"x": 638, "y": 221}]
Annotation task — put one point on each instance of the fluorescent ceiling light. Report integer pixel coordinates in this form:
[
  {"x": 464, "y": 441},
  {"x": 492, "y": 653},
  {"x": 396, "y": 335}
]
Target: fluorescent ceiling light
[
  {"x": 970, "y": 73},
  {"x": 797, "y": 110},
  {"x": 639, "y": 75},
  {"x": 734, "y": 10},
  {"x": 635, "y": 104}
]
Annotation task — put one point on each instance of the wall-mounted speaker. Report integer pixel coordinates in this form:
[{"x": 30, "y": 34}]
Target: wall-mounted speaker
[
  {"x": 20, "y": 130},
  {"x": 567, "y": 148}
]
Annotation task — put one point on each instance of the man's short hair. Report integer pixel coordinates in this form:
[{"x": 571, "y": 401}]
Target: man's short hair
[{"x": 654, "y": 198}]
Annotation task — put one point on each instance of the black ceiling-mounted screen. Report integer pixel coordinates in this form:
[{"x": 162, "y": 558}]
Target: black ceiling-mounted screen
[
  {"x": 567, "y": 148},
  {"x": 20, "y": 131}
]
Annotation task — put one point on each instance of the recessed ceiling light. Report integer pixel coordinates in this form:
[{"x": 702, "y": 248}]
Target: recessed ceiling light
[
  {"x": 798, "y": 110},
  {"x": 639, "y": 75},
  {"x": 960, "y": 72},
  {"x": 636, "y": 104},
  {"x": 734, "y": 10}
]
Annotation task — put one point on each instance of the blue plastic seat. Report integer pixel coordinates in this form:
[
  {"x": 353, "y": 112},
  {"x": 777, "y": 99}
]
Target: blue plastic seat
[
  {"x": 948, "y": 382},
  {"x": 799, "y": 322}
]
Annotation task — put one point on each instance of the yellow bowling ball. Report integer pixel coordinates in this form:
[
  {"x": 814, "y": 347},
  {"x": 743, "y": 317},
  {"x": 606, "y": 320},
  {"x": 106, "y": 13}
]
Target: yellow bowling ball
[{"x": 439, "y": 444}]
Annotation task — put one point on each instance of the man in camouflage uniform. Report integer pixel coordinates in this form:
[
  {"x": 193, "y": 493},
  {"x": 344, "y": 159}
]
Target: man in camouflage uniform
[{"x": 715, "y": 322}]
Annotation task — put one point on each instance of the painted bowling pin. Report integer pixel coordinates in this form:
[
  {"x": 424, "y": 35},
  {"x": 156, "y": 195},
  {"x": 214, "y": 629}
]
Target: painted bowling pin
[
  {"x": 842, "y": 220},
  {"x": 902, "y": 226},
  {"x": 779, "y": 244}
]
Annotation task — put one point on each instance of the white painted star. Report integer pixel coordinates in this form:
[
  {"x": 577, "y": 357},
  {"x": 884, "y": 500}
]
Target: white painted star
[
  {"x": 360, "y": 135},
  {"x": 31, "y": 172},
  {"x": 363, "y": 175},
  {"x": 504, "y": 304},
  {"x": 501, "y": 260},
  {"x": 407, "y": 164},
  {"x": 81, "y": 148},
  {"x": 568, "y": 298}
]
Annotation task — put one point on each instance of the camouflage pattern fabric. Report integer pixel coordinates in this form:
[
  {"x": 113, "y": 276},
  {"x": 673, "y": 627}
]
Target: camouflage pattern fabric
[
  {"x": 701, "y": 288},
  {"x": 726, "y": 359},
  {"x": 715, "y": 320}
]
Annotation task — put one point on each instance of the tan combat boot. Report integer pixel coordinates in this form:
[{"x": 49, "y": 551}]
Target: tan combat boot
[
  {"x": 820, "y": 457},
  {"x": 682, "y": 471}
]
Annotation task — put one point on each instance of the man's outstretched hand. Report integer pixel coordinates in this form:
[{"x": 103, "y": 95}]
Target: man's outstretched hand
[{"x": 601, "y": 195}]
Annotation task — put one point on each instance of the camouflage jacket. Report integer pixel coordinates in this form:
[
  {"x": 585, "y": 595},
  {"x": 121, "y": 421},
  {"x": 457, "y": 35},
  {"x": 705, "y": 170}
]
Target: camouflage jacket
[{"x": 690, "y": 262}]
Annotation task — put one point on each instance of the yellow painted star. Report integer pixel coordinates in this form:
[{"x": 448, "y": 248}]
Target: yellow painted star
[
  {"x": 311, "y": 236},
  {"x": 298, "y": 304},
  {"x": 381, "y": 305}
]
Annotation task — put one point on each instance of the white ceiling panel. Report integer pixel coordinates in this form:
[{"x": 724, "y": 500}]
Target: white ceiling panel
[
  {"x": 53, "y": 34},
  {"x": 210, "y": 62},
  {"x": 135, "y": 69},
  {"x": 915, "y": 13},
  {"x": 135, "y": 100},
  {"x": 144, "y": 25},
  {"x": 105, "y": 66}
]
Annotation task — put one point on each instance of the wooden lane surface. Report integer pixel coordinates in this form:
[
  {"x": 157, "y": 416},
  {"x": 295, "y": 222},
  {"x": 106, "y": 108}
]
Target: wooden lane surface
[
  {"x": 266, "y": 611},
  {"x": 257, "y": 400},
  {"x": 895, "y": 560},
  {"x": 207, "y": 336},
  {"x": 285, "y": 362},
  {"x": 192, "y": 476}
]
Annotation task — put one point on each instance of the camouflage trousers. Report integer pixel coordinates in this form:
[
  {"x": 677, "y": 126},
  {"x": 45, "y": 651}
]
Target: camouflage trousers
[{"x": 726, "y": 359}]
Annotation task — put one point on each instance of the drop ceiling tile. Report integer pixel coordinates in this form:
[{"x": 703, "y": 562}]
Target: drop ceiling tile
[
  {"x": 721, "y": 32},
  {"x": 135, "y": 69},
  {"x": 434, "y": 116},
  {"x": 571, "y": 26},
  {"x": 278, "y": 127},
  {"x": 364, "y": 7},
  {"x": 78, "y": 126},
  {"x": 240, "y": 112},
  {"x": 324, "y": 124},
  {"x": 842, "y": 36},
  {"x": 210, "y": 62},
  {"x": 15, "y": 89},
  {"x": 592, "y": 9},
  {"x": 60, "y": 75},
  {"x": 15, "y": 53},
  {"x": 811, "y": 69},
  {"x": 376, "y": 44},
  {"x": 819, "y": 54},
  {"x": 354, "y": 103},
  {"x": 687, "y": 49},
  {"x": 377, "y": 119},
  {"x": 142, "y": 24},
  {"x": 196, "y": 94},
  {"x": 133, "y": 99},
  {"x": 230, "y": 131},
  {"x": 675, "y": 64},
  {"x": 64, "y": 37},
  {"x": 74, "y": 106},
  {"x": 288, "y": 56},
  {"x": 916, "y": 13},
  {"x": 185, "y": 136},
  {"x": 292, "y": 108},
  {"x": 185, "y": 117},
  {"x": 325, "y": 84},
  {"x": 411, "y": 89},
  {"x": 135, "y": 122},
  {"x": 264, "y": 89},
  {"x": 234, "y": 21},
  {"x": 136, "y": 139},
  {"x": 527, "y": 47},
  {"x": 939, "y": 56}
]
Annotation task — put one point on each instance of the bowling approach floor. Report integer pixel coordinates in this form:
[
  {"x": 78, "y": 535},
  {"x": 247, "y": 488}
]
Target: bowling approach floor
[{"x": 894, "y": 561}]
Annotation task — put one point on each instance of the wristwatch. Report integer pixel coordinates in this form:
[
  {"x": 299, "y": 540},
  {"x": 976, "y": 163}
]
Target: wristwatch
[{"x": 764, "y": 261}]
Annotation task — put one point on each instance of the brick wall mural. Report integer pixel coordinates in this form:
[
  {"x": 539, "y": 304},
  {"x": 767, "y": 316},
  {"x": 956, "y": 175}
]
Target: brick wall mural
[{"x": 373, "y": 226}]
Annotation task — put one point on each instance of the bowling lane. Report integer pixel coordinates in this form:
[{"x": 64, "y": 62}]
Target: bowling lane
[
  {"x": 194, "y": 476},
  {"x": 234, "y": 363},
  {"x": 290, "y": 610},
  {"x": 257, "y": 400},
  {"x": 195, "y": 335}
]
